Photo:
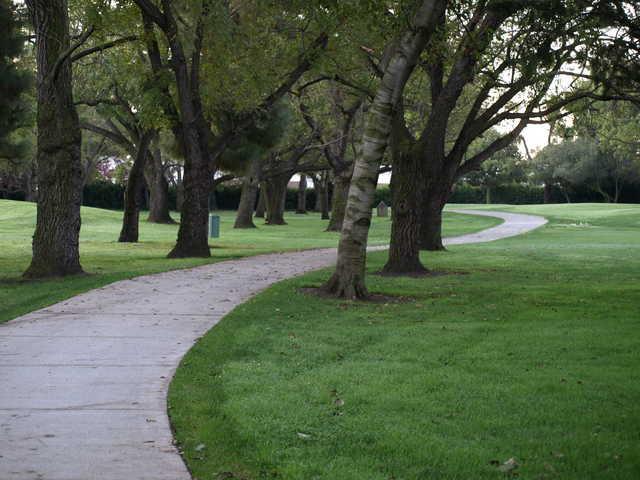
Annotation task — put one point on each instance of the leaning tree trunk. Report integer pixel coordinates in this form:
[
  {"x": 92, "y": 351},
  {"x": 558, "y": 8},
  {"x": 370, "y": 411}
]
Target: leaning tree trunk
[
  {"x": 341, "y": 184},
  {"x": 133, "y": 195},
  {"x": 244, "y": 217},
  {"x": 302, "y": 195},
  {"x": 276, "y": 195},
  {"x": 159, "y": 211},
  {"x": 404, "y": 251},
  {"x": 59, "y": 166},
  {"x": 262, "y": 201},
  {"x": 348, "y": 280}
]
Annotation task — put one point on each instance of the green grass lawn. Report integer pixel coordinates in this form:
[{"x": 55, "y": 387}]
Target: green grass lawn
[
  {"x": 532, "y": 354},
  {"x": 107, "y": 261}
]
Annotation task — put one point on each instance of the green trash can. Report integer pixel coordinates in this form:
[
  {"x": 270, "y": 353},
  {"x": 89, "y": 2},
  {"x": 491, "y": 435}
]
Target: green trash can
[{"x": 214, "y": 226}]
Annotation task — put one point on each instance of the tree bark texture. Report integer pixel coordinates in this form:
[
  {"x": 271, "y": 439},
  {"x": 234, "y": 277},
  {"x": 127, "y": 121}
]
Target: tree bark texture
[
  {"x": 244, "y": 217},
  {"x": 133, "y": 195},
  {"x": 322, "y": 195},
  {"x": 341, "y": 183},
  {"x": 262, "y": 201},
  {"x": 275, "y": 197},
  {"x": 348, "y": 281},
  {"x": 59, "y": 165},
  {"x": 301, "y": 208},
  {"x": 433, "y": 200},
  {"x": 159, "y": 211},
  {"x": 404, "y": 251}
]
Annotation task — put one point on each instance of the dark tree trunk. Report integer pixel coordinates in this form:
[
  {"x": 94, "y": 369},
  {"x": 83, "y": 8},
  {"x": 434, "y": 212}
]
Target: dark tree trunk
[
  {"x": 133, "y": 196},
  {"x": 340, "y": 197},
  {"x": 487, "y": 195},
  {"x": 433, "y": 201},
  {"x": 31, "y": 193},
  {"x": 244, "y": 217},
  {"x": 179, "y": 195},
  {"x": 302, "y": 195},
  {"x": 276, "y": 195},
  {"x": 159, "y": 211},
  {"x": 404, "y": 250},
  {"x": 59, "y": 165},
  {"x": 262, "y": 201},
  {"x": 547, "y": 193},
  {"x": 317, "y": 187},
  {"x": 322, "y": 193}
]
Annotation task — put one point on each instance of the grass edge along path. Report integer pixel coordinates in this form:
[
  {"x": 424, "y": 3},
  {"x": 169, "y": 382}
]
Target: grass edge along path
[
  {"x": 107, "y": 261},
  {"x": 530, "y": 354}
]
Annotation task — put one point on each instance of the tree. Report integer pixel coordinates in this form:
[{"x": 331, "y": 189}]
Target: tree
[
  {"x": 248, "y": 155},
  {"x": 202, "y": 139},
  {"x": 348, "y": 280},
  {"x": 503, "y": 167},
  {"x": 59, "y": 167}
]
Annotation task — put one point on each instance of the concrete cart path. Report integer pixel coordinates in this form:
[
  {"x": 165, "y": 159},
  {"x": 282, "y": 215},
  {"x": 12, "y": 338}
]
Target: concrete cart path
[{"x": 83, "y": 383}]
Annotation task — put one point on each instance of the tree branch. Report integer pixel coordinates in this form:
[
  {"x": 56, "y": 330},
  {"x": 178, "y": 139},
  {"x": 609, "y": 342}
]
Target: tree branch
[{"x": 103, "y": 47}]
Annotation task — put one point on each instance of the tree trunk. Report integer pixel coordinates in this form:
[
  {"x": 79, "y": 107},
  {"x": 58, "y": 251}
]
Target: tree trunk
[
  {"x": 404, "y": 251},
  {"x": 341, "y": 184},
  {"x": 302, "y": 195},
  {"x": 348, "y": 280},
  {"x": 547, "y": 193},
  {"x": 159, "y": 211},
  {"x": 317, "y": 187},
  {"x": 433, "y": 202},
  {"x": 323, "y": 195},
  {"x": 133, "y": 196},
  {"x": 244, "y": 217},
  {"x": 262, "y": 201},
  {"x": 59, "y": 165},
  {"x": 276, "y": 194},
  {"x": 487, "y": 195}
]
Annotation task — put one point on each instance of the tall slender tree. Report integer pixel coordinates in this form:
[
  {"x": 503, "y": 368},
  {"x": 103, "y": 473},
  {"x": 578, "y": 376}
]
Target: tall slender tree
[{"x": 348, "y": 281}]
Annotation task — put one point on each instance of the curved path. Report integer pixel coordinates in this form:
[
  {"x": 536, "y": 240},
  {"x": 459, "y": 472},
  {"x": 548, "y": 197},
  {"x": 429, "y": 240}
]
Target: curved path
[{"x": 83, "y": 383}]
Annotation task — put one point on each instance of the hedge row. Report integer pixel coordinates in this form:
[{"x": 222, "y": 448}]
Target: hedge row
[{"x": 227, "y": 197}]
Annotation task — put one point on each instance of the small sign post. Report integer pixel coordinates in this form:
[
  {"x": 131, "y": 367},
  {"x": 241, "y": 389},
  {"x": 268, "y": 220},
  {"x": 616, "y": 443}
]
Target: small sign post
[{"x": 214, "y": 226}]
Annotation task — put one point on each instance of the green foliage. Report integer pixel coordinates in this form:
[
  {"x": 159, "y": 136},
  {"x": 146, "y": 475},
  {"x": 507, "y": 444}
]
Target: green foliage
[
  {"x": 14, "y": 82},
  {"x": 256, "y": 142},
  {"x": 504, "y": 167},
  {"x": 601, "y": 149}
]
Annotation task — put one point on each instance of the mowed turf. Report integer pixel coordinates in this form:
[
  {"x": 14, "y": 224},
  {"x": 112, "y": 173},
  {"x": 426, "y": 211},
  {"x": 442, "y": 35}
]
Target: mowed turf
[
  {"x": 106, "y": 260},
  {"x": 529, "y": 350}
]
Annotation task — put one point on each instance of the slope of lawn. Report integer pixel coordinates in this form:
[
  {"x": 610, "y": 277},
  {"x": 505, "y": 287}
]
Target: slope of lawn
[
  {"x": 107, "y": 260},
  {"x": 532, "y": 354}
]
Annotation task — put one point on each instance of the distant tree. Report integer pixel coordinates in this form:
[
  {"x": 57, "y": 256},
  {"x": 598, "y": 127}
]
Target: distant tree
[
  {"x": 584, "y": 161},
  {"x": 503, "y": 167}
]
